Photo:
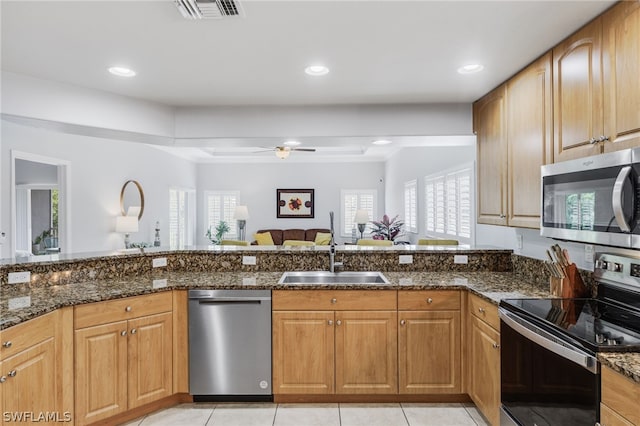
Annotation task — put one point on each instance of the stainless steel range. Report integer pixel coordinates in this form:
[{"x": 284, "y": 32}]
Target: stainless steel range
[{"x": 549, "y": 371}]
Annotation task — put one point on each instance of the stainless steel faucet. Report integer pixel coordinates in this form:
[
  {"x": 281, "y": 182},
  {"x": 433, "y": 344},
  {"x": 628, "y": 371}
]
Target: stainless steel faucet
[{"x": 332, "y": 249}]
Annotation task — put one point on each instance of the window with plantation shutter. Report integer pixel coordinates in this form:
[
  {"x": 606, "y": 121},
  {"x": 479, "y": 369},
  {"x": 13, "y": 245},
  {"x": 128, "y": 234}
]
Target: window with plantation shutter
[
  {"x": 353, "y": 200},
  {"x": 181, "y": 217},
  {"x": 448, "y": 204},
  {"x": 220, "y": 206},
  {"x": 411, "y": 206}
]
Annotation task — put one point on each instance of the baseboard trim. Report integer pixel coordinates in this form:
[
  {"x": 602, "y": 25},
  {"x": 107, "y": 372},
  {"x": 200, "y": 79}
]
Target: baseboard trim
[
  {"x": 169, "y": 401},
  {"x": 371, "y": 398}
]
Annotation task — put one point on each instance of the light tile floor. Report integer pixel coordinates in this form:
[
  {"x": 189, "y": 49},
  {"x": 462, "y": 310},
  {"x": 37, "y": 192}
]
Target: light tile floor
[{"x": 267, "y": 414}]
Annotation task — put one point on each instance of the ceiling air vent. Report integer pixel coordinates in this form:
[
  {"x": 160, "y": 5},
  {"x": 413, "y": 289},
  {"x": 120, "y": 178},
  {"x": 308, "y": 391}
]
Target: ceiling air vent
[{"x": 208, "y": 9}]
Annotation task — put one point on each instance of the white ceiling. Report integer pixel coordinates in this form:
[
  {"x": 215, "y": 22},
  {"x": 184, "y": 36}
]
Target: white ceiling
[{"x": 378, "y": 51}]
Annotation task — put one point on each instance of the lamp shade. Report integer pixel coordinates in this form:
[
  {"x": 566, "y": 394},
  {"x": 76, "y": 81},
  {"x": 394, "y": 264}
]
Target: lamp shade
[
  {"x": 362, "y": 216},
  {"x": 241, "y": 213},
  {"x": 126, "y": 224}
]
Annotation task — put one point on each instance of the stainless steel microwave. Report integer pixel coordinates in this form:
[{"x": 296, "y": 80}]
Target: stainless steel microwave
[{"x": 593, "y": 200}]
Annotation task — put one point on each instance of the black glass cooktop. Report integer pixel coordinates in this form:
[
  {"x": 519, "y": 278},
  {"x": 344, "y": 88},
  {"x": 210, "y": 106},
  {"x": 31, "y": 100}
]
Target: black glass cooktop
[{"x": 597, "y": 325}]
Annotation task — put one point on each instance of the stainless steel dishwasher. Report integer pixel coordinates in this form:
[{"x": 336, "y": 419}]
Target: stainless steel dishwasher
[{"x": 230, "y": 345}]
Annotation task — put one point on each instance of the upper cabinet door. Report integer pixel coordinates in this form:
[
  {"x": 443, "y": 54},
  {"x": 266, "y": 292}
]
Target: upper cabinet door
[
  {"x": 529, "y": 137},
  {"x": 621, "y": 70},
  {"x": 489, "y": 126},
  {"x": 577, "y": 94}
]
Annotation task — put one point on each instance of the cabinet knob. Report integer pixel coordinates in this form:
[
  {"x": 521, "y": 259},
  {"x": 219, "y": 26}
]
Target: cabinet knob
[
  {"x": 3, "y": 379},
  {"x": 402, "y": 322},
  {"x": 603, "y": 138},
  {"x": 7, "y": 344},
  {"x": 334, "y": 300},
  {"x": 496, "y": 346},
  {"x": 429, "y": 300},
  {"x": 330, "y": 322},
  {"x": 481, "y": 310},
  {"x": 502, "y": 216},
  {"x": 128, "y": 309},
  {"x": 12, "y": 373},
  {"x": 338, "y": 322},
  {"x": 123, "y": 333},
  {"x": 593, "y": 141},
  {"x": 134, "y": 331}
]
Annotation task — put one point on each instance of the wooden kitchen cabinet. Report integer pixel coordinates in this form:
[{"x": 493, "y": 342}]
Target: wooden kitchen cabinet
[
  {"x": 621, "y": 68},
  {"x": 429, "y": 342},
  {"x": 529, "y": 140},
  {"x": 37, "y": 351},
  {"x": 334, "y": 341},
  {"x": 489, "y": 125},
  {"x": 484, "y": 359},
  {"x": 123, "y": 353},
  {"x": 620, "y": 396}
]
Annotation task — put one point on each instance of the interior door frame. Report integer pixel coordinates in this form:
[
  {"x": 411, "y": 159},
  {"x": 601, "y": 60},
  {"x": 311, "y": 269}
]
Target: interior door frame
[{"x": 64, "y": 196}]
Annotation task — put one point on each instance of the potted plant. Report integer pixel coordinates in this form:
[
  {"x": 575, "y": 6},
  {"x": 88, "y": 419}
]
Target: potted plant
[
  {"x": 36, "y": 246},
  {"x": 387, "y": 229},
  {"x": 220, "y": 229}
]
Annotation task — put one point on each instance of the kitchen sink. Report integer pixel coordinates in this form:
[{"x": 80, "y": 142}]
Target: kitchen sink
[{"x": 323, "y": 277}]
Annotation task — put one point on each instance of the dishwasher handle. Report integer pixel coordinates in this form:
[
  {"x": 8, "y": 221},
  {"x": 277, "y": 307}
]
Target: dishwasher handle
[{"x": 223, "y": 300}]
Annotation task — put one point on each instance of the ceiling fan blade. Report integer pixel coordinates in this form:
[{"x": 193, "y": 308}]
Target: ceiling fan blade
[
  {"x": 304, "y": 149},
  {"x": 263, "y": 150}
]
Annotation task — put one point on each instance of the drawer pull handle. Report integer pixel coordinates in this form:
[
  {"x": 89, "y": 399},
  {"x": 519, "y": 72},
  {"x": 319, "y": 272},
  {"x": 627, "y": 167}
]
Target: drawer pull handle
[
  {"x": 128, "y": 309},
  {"x": 12, "y": 373},
  {"x": 338, "y": 322},
  {"x": 402, "y": 322},
  {"x": 7, "y": 344},
  {"x": 496, "y": 346},
  {"x": 134, "y": 331},
  {"x": 481, "y": 310},
  {"x": 3, "y": 379},
  {"x": 330, "y": 322},
  {"x": 123, "y": 333},
  {"x": 334, "y": 300},
  {"x": 429, "y": 300}
]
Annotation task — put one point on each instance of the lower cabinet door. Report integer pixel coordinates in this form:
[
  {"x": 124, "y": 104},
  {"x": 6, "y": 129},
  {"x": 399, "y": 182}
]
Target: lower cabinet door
[
  {"x": 22, "y": 401},
  {"x": 609, "y": 417},
  {"x": 150, "y": 359},
  {"x": 429, "y": 352},
  {"x": 366, "y": 352},
  {"x": 303, "y": 352},
  {"x": 484, "y": 356},
  {"x": 101, "y": 371}
]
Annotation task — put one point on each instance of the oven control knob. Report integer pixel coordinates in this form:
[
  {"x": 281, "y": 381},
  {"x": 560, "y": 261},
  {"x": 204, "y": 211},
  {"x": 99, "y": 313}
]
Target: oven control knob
[
  {"x": 617, "y": 267},
  {"x": 599, "y": 264}
]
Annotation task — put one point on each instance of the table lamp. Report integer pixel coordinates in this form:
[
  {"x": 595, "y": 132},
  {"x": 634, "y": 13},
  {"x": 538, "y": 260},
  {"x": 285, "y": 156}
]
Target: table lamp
[
  {"x": 125, "y": 225},
  {"x": 241, "y": 214},
  {"x": 361, "y": 218}
]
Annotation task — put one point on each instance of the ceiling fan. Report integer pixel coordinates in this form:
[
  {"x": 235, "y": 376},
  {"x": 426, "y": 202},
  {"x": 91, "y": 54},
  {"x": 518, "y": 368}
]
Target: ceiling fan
[{"x": 283, "y": 152}]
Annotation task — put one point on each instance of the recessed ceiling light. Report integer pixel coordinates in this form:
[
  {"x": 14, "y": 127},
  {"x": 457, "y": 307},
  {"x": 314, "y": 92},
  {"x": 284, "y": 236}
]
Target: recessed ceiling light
[
  {"x": 292, "y": 143},
  {"x": 122, "y": 71},
  {"x": 470, "y": 68},
  {"x": 316, "y": 70},
  {"x": 382, "y": 142}
]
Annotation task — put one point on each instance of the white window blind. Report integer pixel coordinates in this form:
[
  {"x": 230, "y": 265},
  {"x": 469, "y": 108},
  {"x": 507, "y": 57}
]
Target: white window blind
[
  {"x": 411, "y": 205},
  {"x": 353, "y": 200},
  {"x": 181, "y": 217},
  {"x": 448, "y": 204},
  {"x": 220, "y": 205}
]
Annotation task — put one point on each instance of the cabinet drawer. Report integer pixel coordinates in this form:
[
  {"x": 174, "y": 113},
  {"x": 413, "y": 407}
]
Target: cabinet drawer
[
  {"x": 485, "y": 310},
  {"x": 121, "y": 309},
  {"x": 24, "y": 335},
  {"x": 429, "y": 300},
  {"x": 333, "y": 300},
  {"x": 608, "y": 417},
  {"x": 621, "y": 395}
]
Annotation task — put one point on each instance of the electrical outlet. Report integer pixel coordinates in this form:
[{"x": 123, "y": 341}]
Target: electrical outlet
[
  {"x": 161, "y": 283},
  {"x": 158, "y": 262},
  {"x": 461, "y": 259},
  {"x": 248, "y": 260},
  {"x": 19, "y": 277},
  {"x": 405, "y": 259},
  {"x": 19, "y": 302},
  {"x": 519, "y": 242}
]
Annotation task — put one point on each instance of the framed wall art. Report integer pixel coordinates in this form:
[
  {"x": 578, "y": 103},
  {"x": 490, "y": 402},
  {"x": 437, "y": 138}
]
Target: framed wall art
[{"x": 294, "y": 203}]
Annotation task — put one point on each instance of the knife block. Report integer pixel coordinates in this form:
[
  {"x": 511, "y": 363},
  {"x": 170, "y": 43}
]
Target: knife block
[
  {"x": 556, "y": 285},
  {"x": 569, "y": 287}
]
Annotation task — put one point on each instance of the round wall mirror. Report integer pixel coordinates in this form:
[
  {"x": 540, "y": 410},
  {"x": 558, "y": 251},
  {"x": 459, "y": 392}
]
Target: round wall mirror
[{"x": 131, "y": 195}]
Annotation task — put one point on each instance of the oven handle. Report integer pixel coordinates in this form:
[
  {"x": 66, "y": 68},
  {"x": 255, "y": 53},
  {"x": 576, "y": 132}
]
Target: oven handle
[
  {"x": 616, "y": 199},
  {"x": 548, "y": 341}
]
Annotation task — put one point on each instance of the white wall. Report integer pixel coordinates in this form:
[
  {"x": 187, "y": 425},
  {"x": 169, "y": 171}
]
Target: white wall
[
  {"x": 257, "y": 184},
  {"x": 416, "y": 163},
  {"x": 98, "y": 169},
  {"x": 38, "y": 173}
]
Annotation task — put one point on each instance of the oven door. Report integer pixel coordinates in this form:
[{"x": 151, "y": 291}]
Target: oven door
[
  {"x": 591, "y": 200},
  {"x": 545, "y": 381}
]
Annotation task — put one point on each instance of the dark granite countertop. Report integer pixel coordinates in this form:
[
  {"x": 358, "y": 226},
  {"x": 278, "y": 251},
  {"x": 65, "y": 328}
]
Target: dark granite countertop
[{"x": 627, "y": 363}]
